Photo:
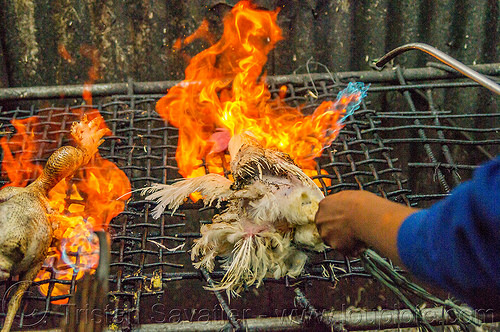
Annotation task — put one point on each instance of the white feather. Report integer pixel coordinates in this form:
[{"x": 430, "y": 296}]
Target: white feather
[
  {"x": 248, "y": 259},
  {"x": 276, "y": 199},
  {"x": 269, "y": 216},
  {"x": 308, "y": 236},
  {"x": 211, "y": 186}
]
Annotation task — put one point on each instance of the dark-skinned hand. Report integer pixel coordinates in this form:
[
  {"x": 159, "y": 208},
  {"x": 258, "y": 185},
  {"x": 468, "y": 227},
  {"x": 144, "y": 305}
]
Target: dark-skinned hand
[{"x": 350, "y": 220}]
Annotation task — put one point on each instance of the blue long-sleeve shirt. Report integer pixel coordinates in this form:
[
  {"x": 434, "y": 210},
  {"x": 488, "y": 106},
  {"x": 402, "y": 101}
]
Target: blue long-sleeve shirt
[{"x": 456, "y": 242}]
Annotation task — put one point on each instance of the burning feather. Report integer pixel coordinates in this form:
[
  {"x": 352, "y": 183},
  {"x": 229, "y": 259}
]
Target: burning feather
[
  {"x": 268, "y": 219},
  {"x": 224, "y": 104}
]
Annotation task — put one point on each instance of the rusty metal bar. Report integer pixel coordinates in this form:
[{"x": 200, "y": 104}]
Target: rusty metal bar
[
  {"x": 161, "y": 87},
  {"x": 369, "y": 153},
  {"x": 421, "y": 133},
  {"x": 352, "y": 320}
]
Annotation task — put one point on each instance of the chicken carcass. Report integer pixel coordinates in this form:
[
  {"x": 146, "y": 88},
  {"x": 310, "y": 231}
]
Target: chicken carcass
[
  {"x": 25, "y": 226},
  {"x": 266, "y": 221}
]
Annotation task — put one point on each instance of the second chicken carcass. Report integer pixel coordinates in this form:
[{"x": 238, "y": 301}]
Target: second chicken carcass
[
  {"x": 26, "y": 225},
  {"x": 267, "y": 219}
]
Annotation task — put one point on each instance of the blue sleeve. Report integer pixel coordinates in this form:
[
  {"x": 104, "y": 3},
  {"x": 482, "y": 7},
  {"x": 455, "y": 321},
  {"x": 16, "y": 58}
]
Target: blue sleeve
[{"x": 456, "y": 242}]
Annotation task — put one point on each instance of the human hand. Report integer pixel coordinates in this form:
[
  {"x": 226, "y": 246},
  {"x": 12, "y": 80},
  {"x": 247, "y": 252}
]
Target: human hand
[
  {"x": 335, "y": 220},
  {"x": 350, "y": 220}
]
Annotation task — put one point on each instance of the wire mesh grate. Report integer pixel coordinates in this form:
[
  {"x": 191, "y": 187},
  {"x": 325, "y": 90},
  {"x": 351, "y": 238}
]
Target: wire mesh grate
[{"x": 402, "y": 144}]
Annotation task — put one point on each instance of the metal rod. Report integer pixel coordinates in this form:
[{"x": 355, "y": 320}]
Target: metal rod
[
  {"x": 469, "y": 137},
  {"x": 356, "y": 320},
  {"x": 230, "y": 316},
  {"x": 161, "y": 87},
  {"x": 443, "y": 57},
  {"x": 312, "y": 313},
  {"x": 102, "y": 272},
  {"x": 421, "y": 133},
  {"x": 353, "y": 320},
  {"x": 444, "y": 147}
]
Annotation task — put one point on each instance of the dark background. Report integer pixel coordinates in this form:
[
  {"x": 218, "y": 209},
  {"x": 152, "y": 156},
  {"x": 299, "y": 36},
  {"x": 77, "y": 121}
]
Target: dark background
[
  {"x": 57, "y": 42},
  {"x": 134, "y": 38}
]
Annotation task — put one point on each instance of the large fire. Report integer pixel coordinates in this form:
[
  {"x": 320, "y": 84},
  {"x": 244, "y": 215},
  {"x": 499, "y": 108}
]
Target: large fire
[
  {"x": 224, "y": 93},
  {"x": 80, "y": 206},
  {"x": 18, "y": 154}
]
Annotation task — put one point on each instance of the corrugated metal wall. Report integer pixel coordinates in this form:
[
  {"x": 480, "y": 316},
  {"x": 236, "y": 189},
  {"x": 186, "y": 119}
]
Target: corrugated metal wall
[{"x": 48, "y": 42}]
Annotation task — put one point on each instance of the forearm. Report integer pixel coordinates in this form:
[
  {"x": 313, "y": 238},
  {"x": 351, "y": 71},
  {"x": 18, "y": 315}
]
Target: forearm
[
  {"x": 453, "y": 244},
  {"x": 376, "y": 222}
]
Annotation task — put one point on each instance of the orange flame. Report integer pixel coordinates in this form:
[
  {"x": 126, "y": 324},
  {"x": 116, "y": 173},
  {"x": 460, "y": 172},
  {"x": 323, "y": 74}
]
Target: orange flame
[
  {"x": 197, "y": 106},
  {"x": 18, "y": 154},
  {"x": 83, "y": 207},
  {"x": 63, "y": 52},
  {"x": 203, "y": 32},
  {"x": 91, "y": 53},
  {"x": 87, "y": 203},
  {"x": 283, "y": 91},
  {"x": 224, "y": 88}
]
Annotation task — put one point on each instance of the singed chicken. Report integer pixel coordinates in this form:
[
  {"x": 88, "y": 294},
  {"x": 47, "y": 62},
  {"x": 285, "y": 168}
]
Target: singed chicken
[
  {"x": 25, "y": 228},
  {"x": 268, "y": 218}
]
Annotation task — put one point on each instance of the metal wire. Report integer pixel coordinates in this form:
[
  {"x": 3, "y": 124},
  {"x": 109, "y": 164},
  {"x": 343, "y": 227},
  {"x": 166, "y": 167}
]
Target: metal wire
[{"x": 405, "y": 154}]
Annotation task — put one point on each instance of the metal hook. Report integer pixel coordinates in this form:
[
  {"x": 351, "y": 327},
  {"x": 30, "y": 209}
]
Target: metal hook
[{"x": 445, "y": 58}]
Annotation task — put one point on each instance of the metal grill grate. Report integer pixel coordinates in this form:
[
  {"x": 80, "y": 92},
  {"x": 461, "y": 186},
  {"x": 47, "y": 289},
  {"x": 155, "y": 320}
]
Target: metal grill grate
[{"x": 402, "y": 144}]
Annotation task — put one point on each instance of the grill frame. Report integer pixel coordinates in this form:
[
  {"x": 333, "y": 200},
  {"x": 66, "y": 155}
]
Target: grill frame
[{"x": 361, "y": 149}]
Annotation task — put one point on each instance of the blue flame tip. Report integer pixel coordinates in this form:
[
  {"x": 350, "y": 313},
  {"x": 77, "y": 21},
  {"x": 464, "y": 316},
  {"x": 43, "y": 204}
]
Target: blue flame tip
[{"x": 353, "y": 88}]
